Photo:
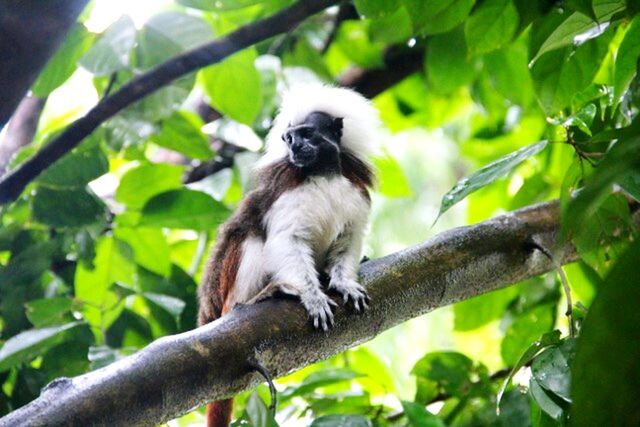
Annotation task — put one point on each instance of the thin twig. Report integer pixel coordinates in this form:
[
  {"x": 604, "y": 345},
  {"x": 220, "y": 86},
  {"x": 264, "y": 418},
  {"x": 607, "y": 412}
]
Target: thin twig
[
  {"x": 139, "y": 87},
  {"x": 563, "y": 280}
]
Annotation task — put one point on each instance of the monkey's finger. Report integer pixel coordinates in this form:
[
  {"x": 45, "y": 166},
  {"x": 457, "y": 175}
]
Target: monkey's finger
[
  {"x": 315, "y": 322},
  {"x": 332, "y": 303}
]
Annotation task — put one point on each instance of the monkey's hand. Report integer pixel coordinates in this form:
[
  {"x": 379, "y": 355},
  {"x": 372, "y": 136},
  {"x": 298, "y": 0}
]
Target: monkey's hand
[
  {"x": 319, "y": 306},
  {"x": 352, "y": 293}
]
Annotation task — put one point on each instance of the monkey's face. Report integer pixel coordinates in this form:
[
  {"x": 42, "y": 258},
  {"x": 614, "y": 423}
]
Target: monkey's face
[{"x": 314, "y": 144}]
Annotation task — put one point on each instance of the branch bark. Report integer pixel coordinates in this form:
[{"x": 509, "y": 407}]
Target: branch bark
[
  {"x": 21, "y": 129},
  {"x": 139, "y": 87},
  {"x": 177, "y": 373},
  {"x": 30, "y": 32}
]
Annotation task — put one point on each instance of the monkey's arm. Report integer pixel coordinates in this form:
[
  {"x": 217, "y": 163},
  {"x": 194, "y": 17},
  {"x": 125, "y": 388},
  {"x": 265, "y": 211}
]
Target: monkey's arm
[
  {"x": 293, "y": 271},
  {"x": 342, "y": 265}
]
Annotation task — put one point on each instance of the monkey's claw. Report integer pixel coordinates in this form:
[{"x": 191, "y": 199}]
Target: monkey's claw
[
  {"x": 319, "y": 306},
  {"x": 352, "y": 293}
]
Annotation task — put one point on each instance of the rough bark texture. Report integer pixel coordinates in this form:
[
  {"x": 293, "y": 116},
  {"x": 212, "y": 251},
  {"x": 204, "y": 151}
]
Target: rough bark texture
[
  {"x": 30, "y": 32},
  {"x": 139, "y": 87},
  {"x": 177, "y": 373}
]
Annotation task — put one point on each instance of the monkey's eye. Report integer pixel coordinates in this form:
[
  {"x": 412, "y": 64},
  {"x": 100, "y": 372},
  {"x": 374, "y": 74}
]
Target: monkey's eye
[
  {"x": 286, "y": 137},
  {"x": 306, "y": 133}
]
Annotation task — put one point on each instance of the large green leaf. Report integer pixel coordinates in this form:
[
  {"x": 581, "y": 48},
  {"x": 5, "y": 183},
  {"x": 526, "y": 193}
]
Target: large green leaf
[
  {"x": 48, "y": 311},
  {"x": 437, "y": 16},
  {"x": 27, "y": 265},
  {"x": 181, "y": 132},
  {"x": 34, "y": 342},
  {"x": 76, "y": 169},
  {"x": 525, "y": 329},
  {"x": 551, "y": 369},
  {"x": 258, "y": 413},
  {"x": 341, "y": 420},
  {"x": 141, "y": 183},
  {"x": 605, "y": 373},
  {"x": 64, "y": 62},
  {"x": 377, "y": 8},
  {"x": 478, "y": 311},
  {"x": 67, "y": 208},
  {"x": 447, "y": 372},
  {"x": 491, "y": 26},
  {"x": 448, "y": 64},
  {"x": 488, "y": 174},
  {"x": 319, "y": 379},
  {"x": 234, "y": 86},
  {"x": 558, "y": 75},
  {"x": 627, "y": 58},
  {"x": 150, "y": 248},
  {"x": 186, "y": 209},
  {"x": 112, "y": 51},
  {"x": 418, "y": 416}
]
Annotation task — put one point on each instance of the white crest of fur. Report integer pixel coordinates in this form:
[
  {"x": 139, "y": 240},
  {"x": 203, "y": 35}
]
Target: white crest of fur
[{"x": 361, "y": 122}]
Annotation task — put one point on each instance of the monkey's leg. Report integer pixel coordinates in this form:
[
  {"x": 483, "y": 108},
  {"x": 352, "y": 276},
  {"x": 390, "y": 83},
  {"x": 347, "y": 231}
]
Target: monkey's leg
[
  {"x": 293, "y": 268},
  {"x": 342, "y": 265}
]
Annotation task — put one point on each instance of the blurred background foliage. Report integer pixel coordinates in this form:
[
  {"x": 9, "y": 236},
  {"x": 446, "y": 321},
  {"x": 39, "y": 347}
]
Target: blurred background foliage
[{"x": 529, "y": 100}]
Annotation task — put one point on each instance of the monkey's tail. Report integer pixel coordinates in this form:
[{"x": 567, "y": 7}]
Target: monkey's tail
[{"x": 219, "y": 413}]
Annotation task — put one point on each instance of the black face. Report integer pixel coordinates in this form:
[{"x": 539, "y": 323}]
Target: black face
[{"x": 315, "y": 143}]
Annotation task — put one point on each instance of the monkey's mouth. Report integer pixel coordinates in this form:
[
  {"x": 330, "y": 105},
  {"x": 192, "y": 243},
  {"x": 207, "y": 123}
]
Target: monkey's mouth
[{"x": 302, "y": 160}]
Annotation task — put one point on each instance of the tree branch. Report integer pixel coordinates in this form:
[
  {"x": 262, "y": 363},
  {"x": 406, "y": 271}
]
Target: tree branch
[
  {"x": 30, "y": 32},
  {"x": 177, "y": 373},
  {"x": 21, "y": 129},
  {"x": 139, "y": 87}
]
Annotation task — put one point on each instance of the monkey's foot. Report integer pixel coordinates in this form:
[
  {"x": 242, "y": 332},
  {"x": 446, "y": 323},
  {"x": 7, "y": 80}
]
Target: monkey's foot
[
  {"x": 319, "y": 306},
  {"x": 353, "y": 293}
]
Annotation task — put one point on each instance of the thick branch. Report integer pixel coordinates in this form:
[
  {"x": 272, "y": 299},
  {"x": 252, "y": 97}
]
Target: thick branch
[
  {"x": 177, "y": 373},
  {"x": 21, "y": 129},
  {"x": 139, "y": 87},
  {"x": 30, "y": 32}
]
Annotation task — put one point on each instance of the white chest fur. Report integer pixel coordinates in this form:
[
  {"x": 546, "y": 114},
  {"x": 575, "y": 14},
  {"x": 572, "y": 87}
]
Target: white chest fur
[{"x": 317, "y": 211}]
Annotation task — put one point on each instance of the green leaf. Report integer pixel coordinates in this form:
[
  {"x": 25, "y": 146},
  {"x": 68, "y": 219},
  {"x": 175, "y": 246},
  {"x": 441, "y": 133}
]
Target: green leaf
[
  {"x": 48, "y": 311},
  {"x": 605, "y": 373},
  {"x": 478, "y": 311},
  {"x": 258, "y": 413},
  {"x": 488, "y": 174},
  {"x": 319, "y": 379},
  {"x": 23, "y": 347},
  {"x": 509, "y": 72},
  {"x": 627, "y": 58},
  {"x": 169, "y": 33},
  {"x": 112, "y": 51},
  {"x": 215, "y": 185},
  {"x": 548, "y": 339},
  {"x": 27, "y": 266},
  {"x": 150, "y": 248},
  {"x": 76, "y": 169},
  {"x": 447, "y": 62},
  {"x": 67, "y": 208},
  {"x": 491, "y": 26},
  {"x": 418, "y": 415},
  {"x": 341, "y": 420},
  {"x": 173, "y": 306},
  {"x": 354, "y": 41},
  {"x": 141, "y": 183},
  {"x": 181, "y": 132},
  {"x": 559, "y": 29},
  {"x": 392, "y": 28},
  {"x": 631, "y": 183},
  {"x": 437, "y": 16},
  {"x": 220, "y": 4},
  {"x": 545, "y": 400},
  {"x": 391, "y": 178},
  {"x": 583, "y": 6},
  {"x": 186, "y": 209},
  {"x": 524, "y": 330},
  {"x": 551, "y": 368},
  {"x": 619, "y": 161},
  {"x": 377, "y": 8},
  {"x": 560, "y": 74},
  {"x": 234, "y": 86},
  {"x": 448, "y": 372},
  {"x": 64, "y": 62}
]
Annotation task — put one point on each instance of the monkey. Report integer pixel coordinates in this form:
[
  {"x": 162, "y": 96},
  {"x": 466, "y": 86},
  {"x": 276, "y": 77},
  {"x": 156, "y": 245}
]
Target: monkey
[{"x": 306, "y": 217}]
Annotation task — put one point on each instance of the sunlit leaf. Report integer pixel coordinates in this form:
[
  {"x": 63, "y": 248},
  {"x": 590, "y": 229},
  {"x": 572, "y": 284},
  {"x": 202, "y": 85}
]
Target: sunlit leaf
[
  {"x": 627, "y": 57},
  {"x": 185, "y": 209},
  {"x": 67, "y": 208},
  {"x": 181, "y": 132},
  {"x": 112, "y": 51},
  {"x": 491, "y": 26},
  {"x": 488, "y": 174},
  {"x": 150, "y": 248},
  {"x": 76, "y": 169},
  {"x": 418, "y": 416},
  {"x": 525, "y": 330},
  {"x": 437, "y": 16},
  {"x": 141, "y": 183},
  {"x": 31, "y": 343},
  {"x": 48, "y": 311}
]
